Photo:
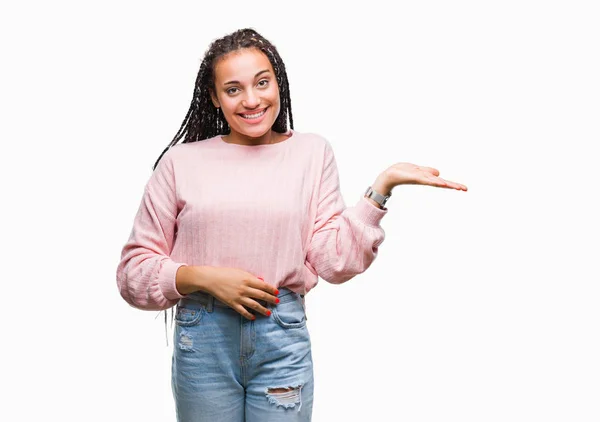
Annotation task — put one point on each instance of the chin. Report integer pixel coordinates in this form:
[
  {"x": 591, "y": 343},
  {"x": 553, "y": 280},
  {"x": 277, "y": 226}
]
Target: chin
[{"x": 256, "y": 132}]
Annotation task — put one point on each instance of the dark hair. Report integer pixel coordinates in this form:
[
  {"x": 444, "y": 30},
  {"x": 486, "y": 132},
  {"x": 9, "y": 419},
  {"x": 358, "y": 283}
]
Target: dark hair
[{"x": 204, "y": 120}]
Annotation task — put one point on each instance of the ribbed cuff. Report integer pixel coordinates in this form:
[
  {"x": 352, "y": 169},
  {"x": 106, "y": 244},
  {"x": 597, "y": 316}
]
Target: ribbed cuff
[
  {"x": 167, "y": 278},
  {"x": 368, "y": 213}
]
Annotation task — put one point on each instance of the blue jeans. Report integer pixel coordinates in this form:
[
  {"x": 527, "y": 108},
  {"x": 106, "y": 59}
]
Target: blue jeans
[{"x": 226, "y": 368}]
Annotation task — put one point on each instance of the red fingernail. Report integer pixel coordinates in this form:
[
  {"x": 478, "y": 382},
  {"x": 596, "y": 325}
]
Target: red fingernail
[
  {"x": 276, "y": 291},
  {"x": 260, "y": 278},
  {"x": 277, "y": 300},
  {"x": 268, "y": 313},
  {"x": 253, "y": 317}
]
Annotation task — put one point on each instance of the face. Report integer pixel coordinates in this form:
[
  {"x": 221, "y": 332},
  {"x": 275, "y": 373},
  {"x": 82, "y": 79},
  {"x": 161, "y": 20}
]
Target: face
[{"x": 246, "y": 90}]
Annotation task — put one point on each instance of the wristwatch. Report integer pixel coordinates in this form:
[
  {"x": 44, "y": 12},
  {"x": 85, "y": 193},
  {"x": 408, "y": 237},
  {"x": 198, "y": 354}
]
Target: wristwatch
[{"x": 377, "y": 197}]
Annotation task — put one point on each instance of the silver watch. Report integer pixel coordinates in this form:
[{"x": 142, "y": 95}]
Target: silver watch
[{"x": 377, "y": 197}]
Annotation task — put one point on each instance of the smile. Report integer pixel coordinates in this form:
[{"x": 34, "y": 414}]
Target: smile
[{"x": 255, "y": 115}]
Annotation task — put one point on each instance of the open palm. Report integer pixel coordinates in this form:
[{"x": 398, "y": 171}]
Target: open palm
[{"x": 412, "y": 174}]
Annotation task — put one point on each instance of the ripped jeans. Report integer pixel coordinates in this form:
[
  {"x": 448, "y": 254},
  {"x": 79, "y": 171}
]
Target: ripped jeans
[{"x": 226, "y": 368}]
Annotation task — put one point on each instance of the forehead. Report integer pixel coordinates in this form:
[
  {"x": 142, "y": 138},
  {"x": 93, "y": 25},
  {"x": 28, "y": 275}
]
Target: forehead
[{"x": 241, "y": 65}]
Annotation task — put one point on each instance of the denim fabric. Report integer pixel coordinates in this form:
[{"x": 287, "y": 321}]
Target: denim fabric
[{"x": 225, "y": 365}]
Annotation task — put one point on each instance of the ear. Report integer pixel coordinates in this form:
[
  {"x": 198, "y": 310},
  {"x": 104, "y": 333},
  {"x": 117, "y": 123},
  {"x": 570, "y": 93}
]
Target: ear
[{"x": 214, "y": 99}]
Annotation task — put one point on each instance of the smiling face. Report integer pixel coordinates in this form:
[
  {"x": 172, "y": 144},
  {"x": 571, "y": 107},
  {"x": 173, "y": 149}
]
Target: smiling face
[{"x": 246, "y": 90}]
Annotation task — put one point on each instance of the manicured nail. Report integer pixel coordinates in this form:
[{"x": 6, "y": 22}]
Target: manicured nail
[
  {"x": 260, "y": 278},
  {"x": 277, "y": 300},
  {"x": 268, "y": 313},
  {"x": 276, "y": 291},
  {"x": 253, "y": 317}
]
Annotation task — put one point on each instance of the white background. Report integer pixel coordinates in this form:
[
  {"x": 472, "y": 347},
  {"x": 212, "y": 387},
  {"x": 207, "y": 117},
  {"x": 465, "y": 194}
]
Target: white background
[{"x": 481, "y": 306}]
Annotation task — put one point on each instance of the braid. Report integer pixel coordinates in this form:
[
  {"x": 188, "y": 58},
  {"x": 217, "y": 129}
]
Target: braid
[{"x": 203, "y": 120}]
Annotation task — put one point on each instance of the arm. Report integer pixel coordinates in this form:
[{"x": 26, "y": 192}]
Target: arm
[
  {"x": 345, "y": 240},
  {"x": 146, "y": 275}
]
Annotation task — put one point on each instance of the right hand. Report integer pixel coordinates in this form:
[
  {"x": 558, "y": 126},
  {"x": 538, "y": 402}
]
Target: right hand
[{"x": 238, "y": 289}]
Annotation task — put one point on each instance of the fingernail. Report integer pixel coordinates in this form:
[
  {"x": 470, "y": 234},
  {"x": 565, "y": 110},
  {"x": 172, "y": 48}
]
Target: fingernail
[
  {"x": 277, "y": 300},
  {"x": 276, "y": 291},
  {"x": 253, "y": 317},
  {"x": 260, "y": 278},
  {"x": 268, "y": 313}
]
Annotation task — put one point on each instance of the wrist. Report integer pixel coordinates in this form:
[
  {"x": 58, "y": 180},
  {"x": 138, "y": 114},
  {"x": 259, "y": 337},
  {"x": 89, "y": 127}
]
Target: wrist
[
  {"x": 382, "y": 185},
  {"x": 378, "y": 190},
  {"x": 191, "y": 278}
]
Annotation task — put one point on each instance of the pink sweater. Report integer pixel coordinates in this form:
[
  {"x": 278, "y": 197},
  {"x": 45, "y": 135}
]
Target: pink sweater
[{"x": 275, "y": 211}]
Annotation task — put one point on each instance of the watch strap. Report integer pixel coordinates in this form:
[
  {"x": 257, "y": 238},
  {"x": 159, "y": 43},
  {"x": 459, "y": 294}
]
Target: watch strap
[{"x": 377, "y": 197}]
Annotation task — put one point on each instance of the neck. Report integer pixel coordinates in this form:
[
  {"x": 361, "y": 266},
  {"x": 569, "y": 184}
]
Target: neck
[{"x": 237, "y": 138}]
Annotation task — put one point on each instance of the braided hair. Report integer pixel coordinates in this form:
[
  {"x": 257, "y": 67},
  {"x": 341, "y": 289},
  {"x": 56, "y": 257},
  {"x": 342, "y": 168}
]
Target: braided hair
[{"x": 203, "y": 120}]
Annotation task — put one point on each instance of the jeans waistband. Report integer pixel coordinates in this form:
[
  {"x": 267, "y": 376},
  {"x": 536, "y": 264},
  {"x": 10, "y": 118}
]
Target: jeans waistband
[{"x": 210, "y": 301}]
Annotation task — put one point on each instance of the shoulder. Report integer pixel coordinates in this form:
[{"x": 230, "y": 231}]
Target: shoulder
[
  {"x": 314, "y": 141},
  {"x": 312, "y": 137},
  {"x": 182, "y": 158},
  {"x": 184, "y": 152},
  {"x": 318, "y": 151},
  {"x": 184, "y": 149}
]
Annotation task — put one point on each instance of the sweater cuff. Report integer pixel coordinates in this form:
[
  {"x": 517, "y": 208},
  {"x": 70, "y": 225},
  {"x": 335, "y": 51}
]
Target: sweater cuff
[
  {"x": 368, "y": 213},
  {"x": 167, "y": 278}
]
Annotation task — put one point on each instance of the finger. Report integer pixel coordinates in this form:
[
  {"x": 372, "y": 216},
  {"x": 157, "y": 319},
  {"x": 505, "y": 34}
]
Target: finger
[
  {"x": 448, "y": 184},
  {"x": 263, "y": 285},
  {"x": 431, "y": 170},
  {"x": 262, "y": 295},
  {"x": 443, "y": 183},
  {"x": 244, "y": 312},
  {"x": 454, "y": 185},
  {"x": 435, "y": 181},
  {"x": 252, "y": 304}
]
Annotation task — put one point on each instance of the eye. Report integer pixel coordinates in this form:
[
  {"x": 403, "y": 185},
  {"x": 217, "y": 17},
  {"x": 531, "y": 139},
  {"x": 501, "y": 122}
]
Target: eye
[
  {"x": 266, "y": 82},
  {"x": 229, "y": 91}
]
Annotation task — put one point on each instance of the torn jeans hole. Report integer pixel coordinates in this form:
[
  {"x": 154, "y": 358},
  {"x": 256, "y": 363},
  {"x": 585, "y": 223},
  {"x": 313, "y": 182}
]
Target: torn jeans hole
[
  {"x": 286, "y": 397},
  {"x": 185, "y": 341}
]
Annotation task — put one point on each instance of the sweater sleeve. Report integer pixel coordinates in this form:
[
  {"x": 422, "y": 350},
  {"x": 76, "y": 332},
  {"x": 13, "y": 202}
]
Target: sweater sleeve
[
  {"x": 345, "y": 240},
  {"x": 146, "y": 273}
]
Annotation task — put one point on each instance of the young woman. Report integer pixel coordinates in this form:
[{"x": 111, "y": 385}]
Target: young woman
[{"x": 235, "y": 226}]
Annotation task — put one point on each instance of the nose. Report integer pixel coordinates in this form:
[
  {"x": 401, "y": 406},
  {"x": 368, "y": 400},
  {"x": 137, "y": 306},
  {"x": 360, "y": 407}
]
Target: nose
[{"x": 251, "y": 100}]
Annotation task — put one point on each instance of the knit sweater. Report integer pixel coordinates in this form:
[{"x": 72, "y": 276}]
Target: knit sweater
[{"x": 273, "y": 210}]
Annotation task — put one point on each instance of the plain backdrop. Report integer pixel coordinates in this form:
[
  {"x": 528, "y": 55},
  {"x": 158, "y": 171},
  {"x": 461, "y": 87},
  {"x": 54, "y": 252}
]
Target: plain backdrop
[{"x": 481, "y": 305}]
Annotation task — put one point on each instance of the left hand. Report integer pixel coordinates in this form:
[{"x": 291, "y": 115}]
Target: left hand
[{"x": 412, "y": 174}]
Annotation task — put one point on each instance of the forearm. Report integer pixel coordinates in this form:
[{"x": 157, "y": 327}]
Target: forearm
[
  {"x": 345, "y": 240},
  {"x": 348, "y": 243},
  {"x": 191, "y": 278}
]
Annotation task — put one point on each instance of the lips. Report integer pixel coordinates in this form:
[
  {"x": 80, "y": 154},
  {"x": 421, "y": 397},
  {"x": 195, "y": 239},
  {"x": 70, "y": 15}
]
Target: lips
[{"x": 254, "y": 114}]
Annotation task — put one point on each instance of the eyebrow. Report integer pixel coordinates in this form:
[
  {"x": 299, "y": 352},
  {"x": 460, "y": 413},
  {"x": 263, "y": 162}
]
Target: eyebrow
[{"x": 237, "y": 82}]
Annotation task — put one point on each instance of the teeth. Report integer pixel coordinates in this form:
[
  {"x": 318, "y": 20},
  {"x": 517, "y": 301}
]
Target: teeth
[{"x": 254, "y": 116}]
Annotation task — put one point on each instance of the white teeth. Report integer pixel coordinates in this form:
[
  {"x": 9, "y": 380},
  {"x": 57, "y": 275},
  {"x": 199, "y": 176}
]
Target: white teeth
[{"x": 253, "y": 116}]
